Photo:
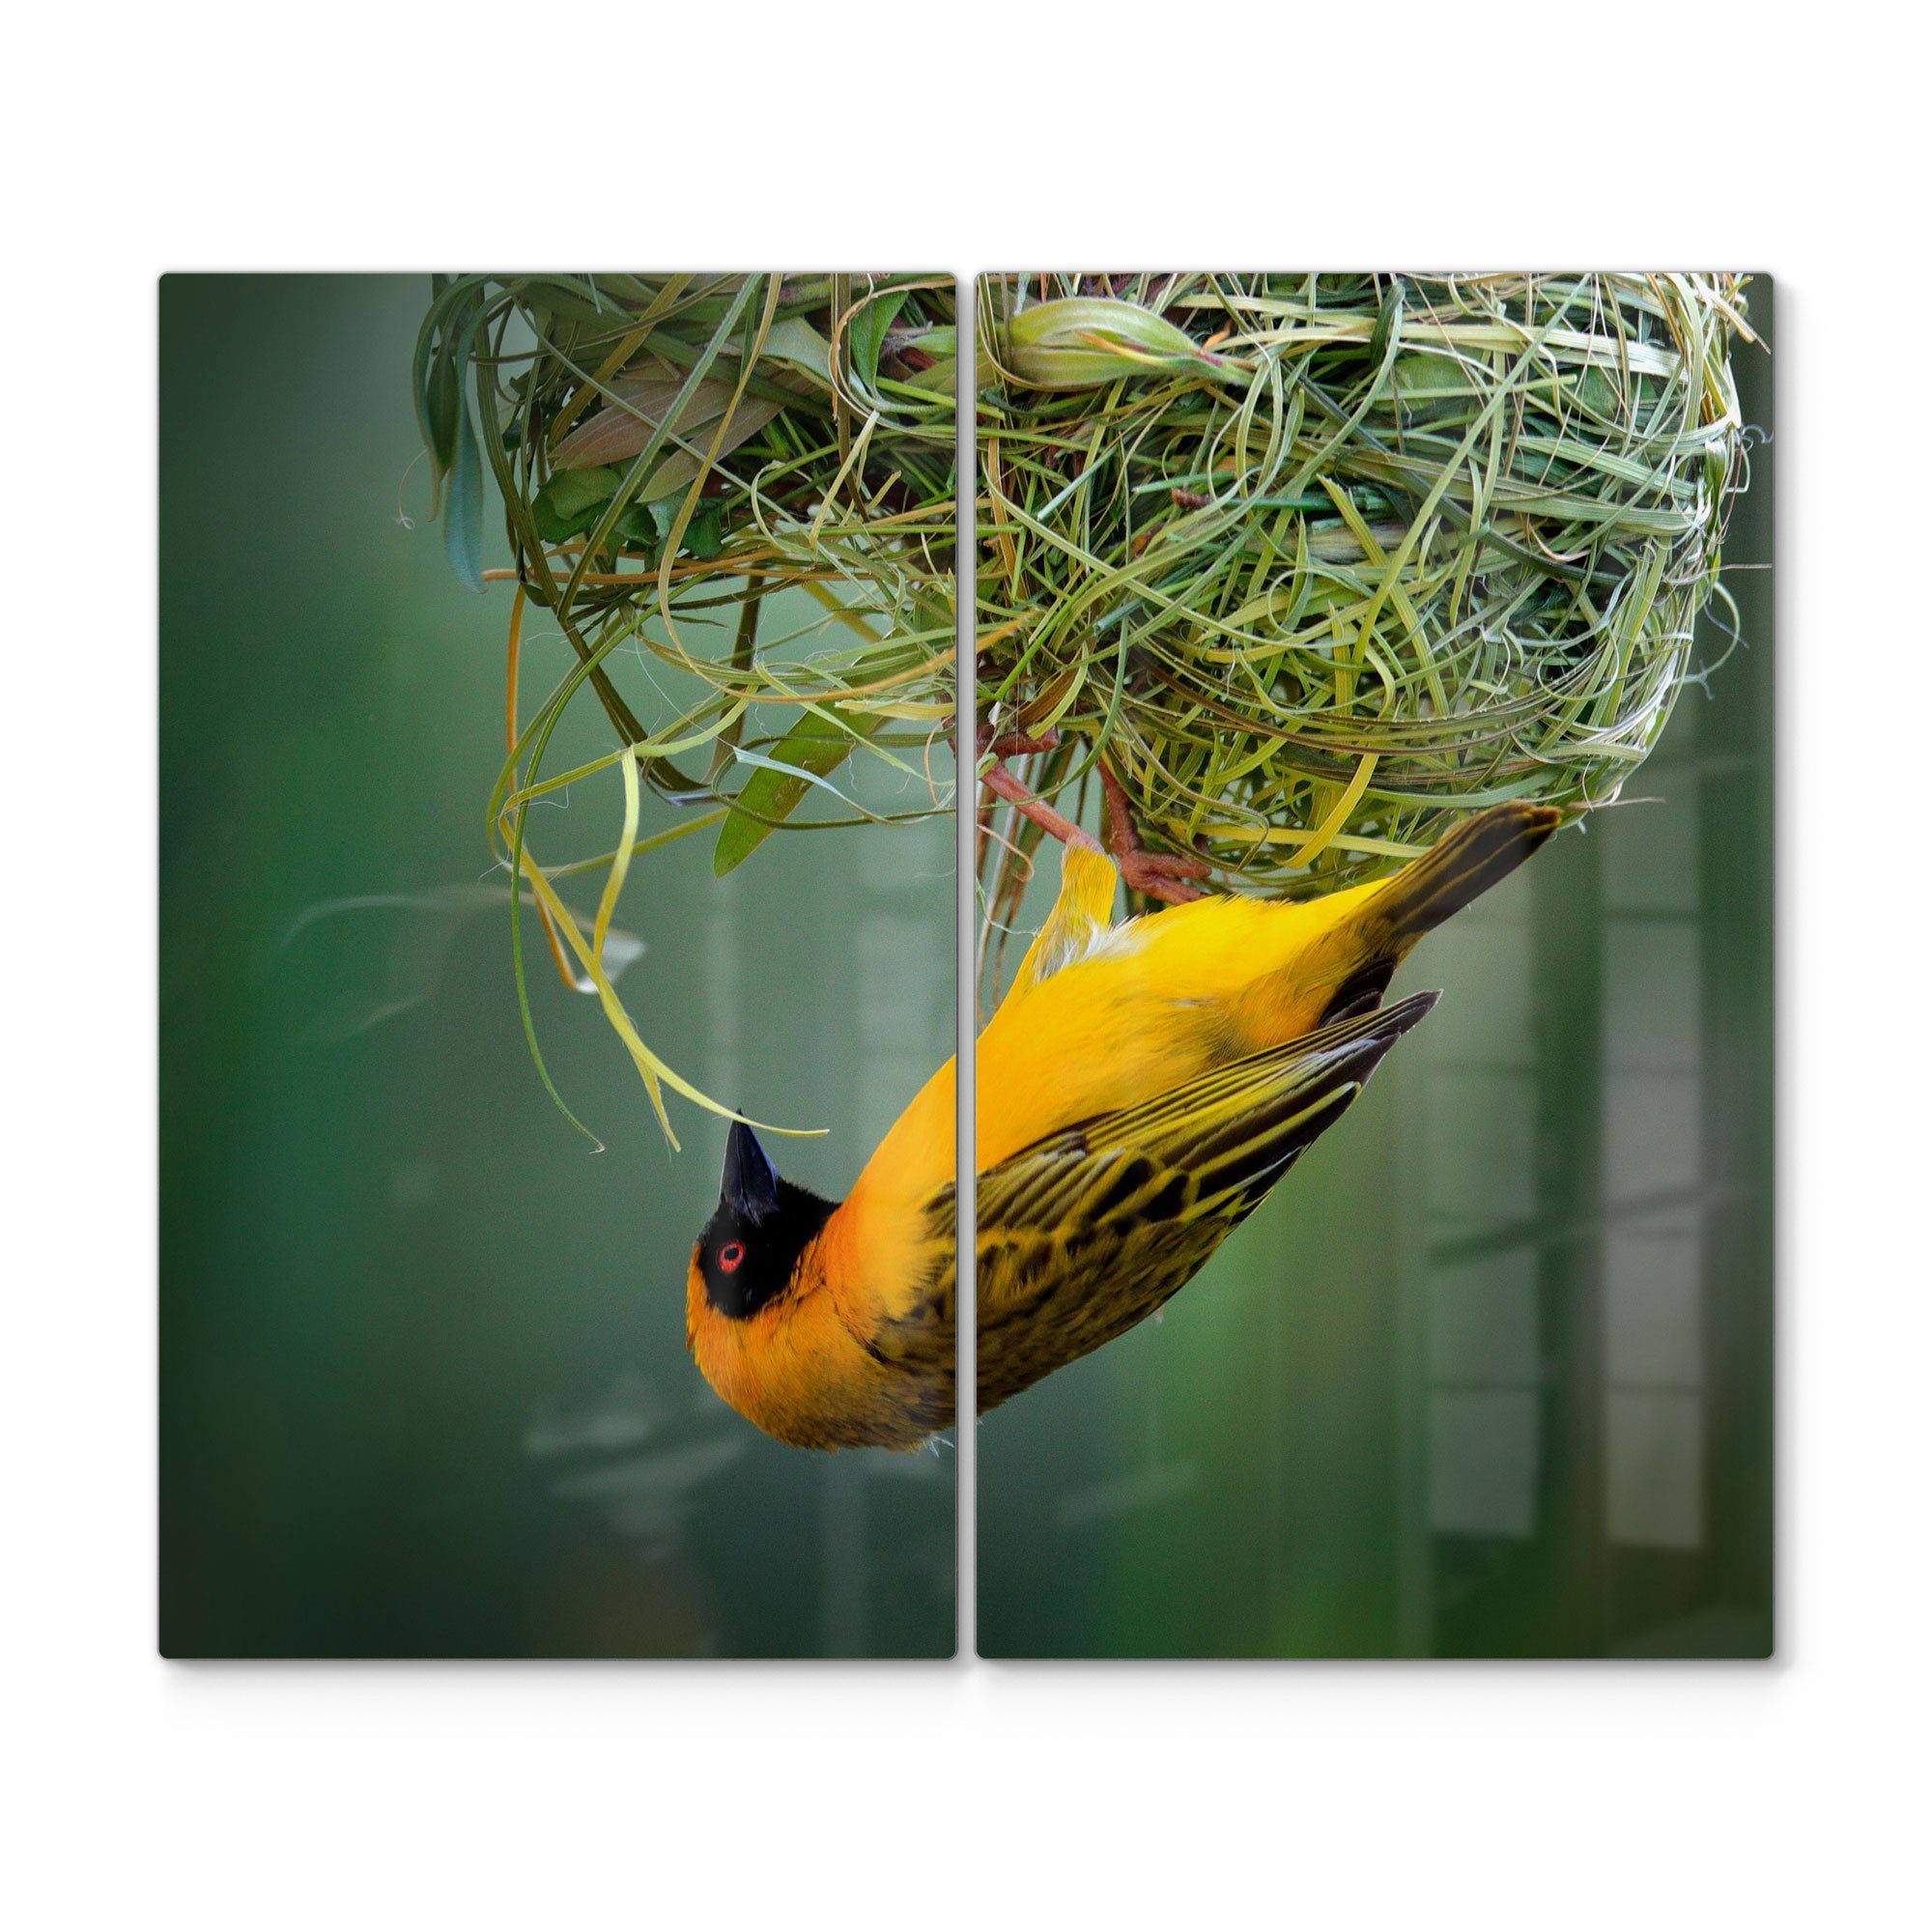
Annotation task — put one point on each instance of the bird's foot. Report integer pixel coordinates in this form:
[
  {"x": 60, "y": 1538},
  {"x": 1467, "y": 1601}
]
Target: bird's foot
[
  {"x": 1001, "y": 784},
  {"x": 1162, "y": 875},
  {"x": 1016, "y": 744},
  {"x": 1167, "y": 876}
]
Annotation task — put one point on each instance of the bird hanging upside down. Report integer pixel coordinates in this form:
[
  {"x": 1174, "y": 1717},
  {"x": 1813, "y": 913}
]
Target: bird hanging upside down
[{"x": 1141, "y": 1090}]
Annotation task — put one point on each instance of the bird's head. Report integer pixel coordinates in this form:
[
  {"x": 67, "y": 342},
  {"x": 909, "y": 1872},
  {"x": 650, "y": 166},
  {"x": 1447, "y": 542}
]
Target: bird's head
[{"x": 747, "y": 1255}]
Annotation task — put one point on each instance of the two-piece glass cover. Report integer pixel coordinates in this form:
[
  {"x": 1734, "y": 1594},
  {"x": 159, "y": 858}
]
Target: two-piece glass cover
[{"x": 564, "y": 940}]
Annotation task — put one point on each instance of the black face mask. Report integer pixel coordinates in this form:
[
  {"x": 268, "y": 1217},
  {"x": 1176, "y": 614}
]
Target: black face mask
[{"x": 762, "y": 1224}]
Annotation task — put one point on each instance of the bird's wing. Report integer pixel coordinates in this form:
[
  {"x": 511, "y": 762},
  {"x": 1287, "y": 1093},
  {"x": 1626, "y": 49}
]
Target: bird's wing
[
  {"x": 1088, "y": 1230},
  {"x": 914, "y": 1336}
]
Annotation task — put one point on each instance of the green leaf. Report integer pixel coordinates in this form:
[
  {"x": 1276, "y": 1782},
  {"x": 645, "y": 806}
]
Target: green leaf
[
  {"x": 869, "y": 334},
  {"x": 434, "y": 391},
  {"x": 704, "y": 534},
  {"x": 1431, "y": 388},
  {"x": 636, "y": 529},
  {"x": 1388, "y": 319},
  {"x": 442, "y": 409},
  {"x": 463, "y": 507},
  {"x": 615, "y": 434},
  {"x": 1086, "y": 342},
  {"x": 441, "y": 363},
  {"x": 570, "y": 503},
  {"x": 813, "y": 747},
  {"x": 794, "y": 341}
]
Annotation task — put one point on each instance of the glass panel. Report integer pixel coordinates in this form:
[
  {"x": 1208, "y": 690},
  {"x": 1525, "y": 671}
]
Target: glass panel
[
  {"x": 1489, "y": 1374},
  {"x": 426, "y": 1388}
]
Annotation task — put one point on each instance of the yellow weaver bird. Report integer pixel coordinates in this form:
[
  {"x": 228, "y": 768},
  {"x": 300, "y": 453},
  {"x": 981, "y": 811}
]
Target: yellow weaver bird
[{"x": 1141, "y": 1089}]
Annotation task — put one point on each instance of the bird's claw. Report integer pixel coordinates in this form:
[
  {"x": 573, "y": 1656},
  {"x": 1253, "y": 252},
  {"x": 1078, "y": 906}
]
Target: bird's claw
[
  {"x": 1167, "y": 876},
  {"x": 1161, "y": 875},
  {"x": 1015, "y": 743}
]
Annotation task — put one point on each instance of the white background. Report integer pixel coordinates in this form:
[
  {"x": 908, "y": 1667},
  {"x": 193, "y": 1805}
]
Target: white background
[{"x": 380, "y": 136}]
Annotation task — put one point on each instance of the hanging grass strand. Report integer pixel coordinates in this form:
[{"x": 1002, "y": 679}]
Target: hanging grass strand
[{"x": 671, "y": 447}]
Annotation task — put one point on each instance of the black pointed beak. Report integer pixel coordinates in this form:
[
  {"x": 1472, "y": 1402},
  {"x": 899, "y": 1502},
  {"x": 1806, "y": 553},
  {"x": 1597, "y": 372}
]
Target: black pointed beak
[{"x": 751, "y": 1184}]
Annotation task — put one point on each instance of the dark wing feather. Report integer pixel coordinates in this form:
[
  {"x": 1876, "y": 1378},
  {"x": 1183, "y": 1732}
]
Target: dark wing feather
[{"x": 1090, "y": 1230}]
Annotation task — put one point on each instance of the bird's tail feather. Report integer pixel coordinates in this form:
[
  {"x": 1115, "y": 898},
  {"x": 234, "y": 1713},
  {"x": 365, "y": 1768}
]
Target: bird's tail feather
[{"x": 1461, "y": 866}]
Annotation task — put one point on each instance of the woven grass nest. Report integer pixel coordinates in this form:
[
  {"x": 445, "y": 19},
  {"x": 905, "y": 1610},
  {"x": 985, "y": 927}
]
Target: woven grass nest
[
  {"x": 672, "y": 452},
  {"x": 1299, "y": 567},
  {"x": 1318, "y": 563}
]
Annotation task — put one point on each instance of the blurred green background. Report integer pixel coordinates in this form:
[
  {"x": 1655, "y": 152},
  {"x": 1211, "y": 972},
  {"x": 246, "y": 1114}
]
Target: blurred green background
[
  {"x": 424, "y": 1387},
  {"x": 1491, "y": 1375}
]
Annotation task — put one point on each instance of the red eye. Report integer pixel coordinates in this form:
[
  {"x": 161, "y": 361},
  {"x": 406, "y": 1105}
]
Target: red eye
[{"x": 731, "y": 1255}]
